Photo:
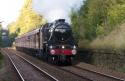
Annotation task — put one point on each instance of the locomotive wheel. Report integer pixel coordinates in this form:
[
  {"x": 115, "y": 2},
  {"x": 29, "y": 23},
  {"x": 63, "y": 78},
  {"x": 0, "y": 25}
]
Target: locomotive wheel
[
  {"x": 69, "y": 61},
  {"x": 37, "y": 55},
  {"x": 58, "y": 61},
  {"x": 46, "y": 56},
  {"x": 51, "y": 59}
]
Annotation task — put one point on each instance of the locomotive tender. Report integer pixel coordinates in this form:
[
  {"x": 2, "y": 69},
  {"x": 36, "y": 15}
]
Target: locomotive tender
[{"x": 53, "y": 41}]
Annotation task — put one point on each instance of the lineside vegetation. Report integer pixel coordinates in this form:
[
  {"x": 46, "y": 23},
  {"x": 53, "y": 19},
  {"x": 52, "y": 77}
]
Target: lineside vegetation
[{"x": 97, "y": 19}]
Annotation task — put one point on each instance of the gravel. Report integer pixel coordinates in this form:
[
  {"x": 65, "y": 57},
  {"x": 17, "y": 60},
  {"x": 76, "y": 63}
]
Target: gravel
[
  {"x": 67, "y": 76},
  {"x": 51, "y": 69},
  {"x": 101, "y": 70},
  {"x": 28, "y": 72},
  {"x": 8, "y": 73}
]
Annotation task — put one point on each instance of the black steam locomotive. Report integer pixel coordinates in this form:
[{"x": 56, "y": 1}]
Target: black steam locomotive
[{"x": 53, "y": 41}]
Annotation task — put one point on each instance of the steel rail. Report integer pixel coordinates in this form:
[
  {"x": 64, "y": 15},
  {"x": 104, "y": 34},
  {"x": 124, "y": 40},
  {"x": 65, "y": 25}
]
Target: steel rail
[
  {"x": 15, "y": 67},
  {"x": 46, "y": 73},
  {"x": 103, "y": 74}
]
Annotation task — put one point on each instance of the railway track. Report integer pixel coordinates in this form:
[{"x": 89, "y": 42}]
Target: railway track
[
  {"x": 92, "y": 75},
  {"x": 71, "y": 76},
  {"x": 20, "y": 76},
  {"x": 99, "y": 73},
  {"x": 45, "y": 76},
  {"x": 85, "y": 74},
  {"x": 52, "y": 76},
  {"x": 74, "y": 73}
]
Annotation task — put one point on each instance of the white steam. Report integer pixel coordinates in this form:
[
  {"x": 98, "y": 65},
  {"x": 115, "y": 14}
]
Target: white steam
[{"x": 56, "y": 9}]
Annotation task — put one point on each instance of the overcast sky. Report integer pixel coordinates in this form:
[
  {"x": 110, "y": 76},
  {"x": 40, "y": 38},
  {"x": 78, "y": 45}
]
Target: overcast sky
[
  {"x": 9, "y": 10},
  {"x": 50, "y": 9},
  {"x": 55, "y": 9}
]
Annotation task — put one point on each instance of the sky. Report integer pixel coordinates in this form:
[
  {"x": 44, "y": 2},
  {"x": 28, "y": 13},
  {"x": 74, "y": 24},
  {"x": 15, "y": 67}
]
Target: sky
[
  {"x": 55, "y": 9},
  {"x": 9, "y": 11}
]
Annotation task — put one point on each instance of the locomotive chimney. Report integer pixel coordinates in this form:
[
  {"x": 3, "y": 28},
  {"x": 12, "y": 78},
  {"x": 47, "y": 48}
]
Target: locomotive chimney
[{"x": 60, "y": 20}]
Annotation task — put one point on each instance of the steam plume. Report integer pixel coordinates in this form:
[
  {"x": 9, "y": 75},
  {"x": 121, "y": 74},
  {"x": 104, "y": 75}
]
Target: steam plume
[{"x": 56, "y": 9}]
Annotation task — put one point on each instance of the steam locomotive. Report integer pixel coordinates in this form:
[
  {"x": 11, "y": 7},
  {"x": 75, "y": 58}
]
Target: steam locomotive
[{"x": 52, "y": 41}]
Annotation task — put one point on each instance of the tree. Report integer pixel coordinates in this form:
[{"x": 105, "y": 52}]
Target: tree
[
  {"x": 27, "y": 21},
  {"x": 97, "y": 18}
]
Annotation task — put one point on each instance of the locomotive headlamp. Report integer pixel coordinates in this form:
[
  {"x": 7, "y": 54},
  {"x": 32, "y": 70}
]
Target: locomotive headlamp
[
  {"x": 63, "y": 47},
  {"x": 52, "y": 52},
  {"x": 51, "y": 30},
  {"x": 50, "y": 47},
  {"x": 74, "y": 51},
  {"x": 74, "y": 47}
]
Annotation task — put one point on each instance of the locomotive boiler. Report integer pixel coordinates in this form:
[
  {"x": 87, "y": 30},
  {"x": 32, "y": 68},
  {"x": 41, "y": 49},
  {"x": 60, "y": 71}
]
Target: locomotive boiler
[{"x": 52, "y": 41}]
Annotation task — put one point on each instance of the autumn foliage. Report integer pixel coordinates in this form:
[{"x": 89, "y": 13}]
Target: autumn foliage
[
  {"x": 97, "y": 18},
  {"x": 27, "y": 21}
]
